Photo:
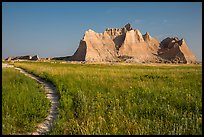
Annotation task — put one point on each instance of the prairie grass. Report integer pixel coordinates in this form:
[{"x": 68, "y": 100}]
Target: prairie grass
[
  {"x": 24, "y": 103},
  {"x": 125, "y": 99}
]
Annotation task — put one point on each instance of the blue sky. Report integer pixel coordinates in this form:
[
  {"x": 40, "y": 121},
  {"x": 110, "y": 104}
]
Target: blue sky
[{"x": 55, "y": 28}]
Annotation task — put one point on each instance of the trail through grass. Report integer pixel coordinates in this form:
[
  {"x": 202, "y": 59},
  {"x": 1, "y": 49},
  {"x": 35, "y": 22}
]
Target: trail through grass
[
  {"x": 24, "y": 103},
  {"x": 125, "y": 99}
]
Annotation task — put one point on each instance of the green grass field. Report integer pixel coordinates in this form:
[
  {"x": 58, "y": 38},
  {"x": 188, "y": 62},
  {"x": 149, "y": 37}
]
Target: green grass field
[
  {"x": 24, "y": 103},
  {"x": 125, "y": 99}
]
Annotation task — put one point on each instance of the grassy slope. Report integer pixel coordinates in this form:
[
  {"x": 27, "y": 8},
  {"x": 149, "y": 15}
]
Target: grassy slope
[
  {"x": 24, "y": 103},
  {"x": 119, "y": 99}
]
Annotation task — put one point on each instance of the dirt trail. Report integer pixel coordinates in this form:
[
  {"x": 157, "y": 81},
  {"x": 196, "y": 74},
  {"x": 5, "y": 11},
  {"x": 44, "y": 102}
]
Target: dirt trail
[{"x": 51, "y": 93}]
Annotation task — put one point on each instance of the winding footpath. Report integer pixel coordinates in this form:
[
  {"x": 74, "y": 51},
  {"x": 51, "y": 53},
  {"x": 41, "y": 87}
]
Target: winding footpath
[{"x": 51, "y": 94}]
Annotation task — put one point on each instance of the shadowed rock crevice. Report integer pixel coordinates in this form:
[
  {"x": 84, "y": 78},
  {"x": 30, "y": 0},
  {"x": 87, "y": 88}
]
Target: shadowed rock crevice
[
  {"x": 118, "y": 40},
  {"x": 80, "y": 54}
]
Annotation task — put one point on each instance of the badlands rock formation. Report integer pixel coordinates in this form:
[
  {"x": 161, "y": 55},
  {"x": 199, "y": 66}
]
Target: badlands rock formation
[
  {"x": 128, "y": 44},
  {"x": 27, "y": 57}
]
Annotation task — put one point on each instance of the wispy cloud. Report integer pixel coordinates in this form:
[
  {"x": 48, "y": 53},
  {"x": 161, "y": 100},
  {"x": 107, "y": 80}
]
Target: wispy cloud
[{"x": 138, "y": 20}]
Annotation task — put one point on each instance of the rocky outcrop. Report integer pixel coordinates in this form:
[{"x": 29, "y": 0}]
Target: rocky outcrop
[
  {"x": 8, "y": 59},
  {"x": 27, "y": 57},
  {"x": 128, "y": 44},
  {"x": 176, "y": 51},
  {"x": 35, "y": 57}
]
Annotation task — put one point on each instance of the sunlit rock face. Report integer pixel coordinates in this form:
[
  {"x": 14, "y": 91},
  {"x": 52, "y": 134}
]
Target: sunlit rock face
[{"x": 130, "y": 45}]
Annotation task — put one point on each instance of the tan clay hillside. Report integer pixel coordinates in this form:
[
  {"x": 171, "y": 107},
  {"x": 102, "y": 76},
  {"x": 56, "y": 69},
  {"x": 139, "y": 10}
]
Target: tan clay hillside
[{"x": 128, "y": 44}]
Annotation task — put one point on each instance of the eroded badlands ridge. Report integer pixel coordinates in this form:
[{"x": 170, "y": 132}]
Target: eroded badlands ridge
[{"x": 128, "y": 44}]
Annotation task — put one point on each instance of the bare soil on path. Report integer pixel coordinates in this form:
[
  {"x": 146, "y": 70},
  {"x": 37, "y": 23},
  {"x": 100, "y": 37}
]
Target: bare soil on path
[{"x": 51, "y": 94}]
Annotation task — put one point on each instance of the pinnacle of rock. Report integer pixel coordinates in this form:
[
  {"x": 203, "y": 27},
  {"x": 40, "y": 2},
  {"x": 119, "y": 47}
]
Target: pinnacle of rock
[
  {"x": 147, "y": 36},
  {"x": 128, "y": 26},
  {"x": 90, "y": 30}
]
